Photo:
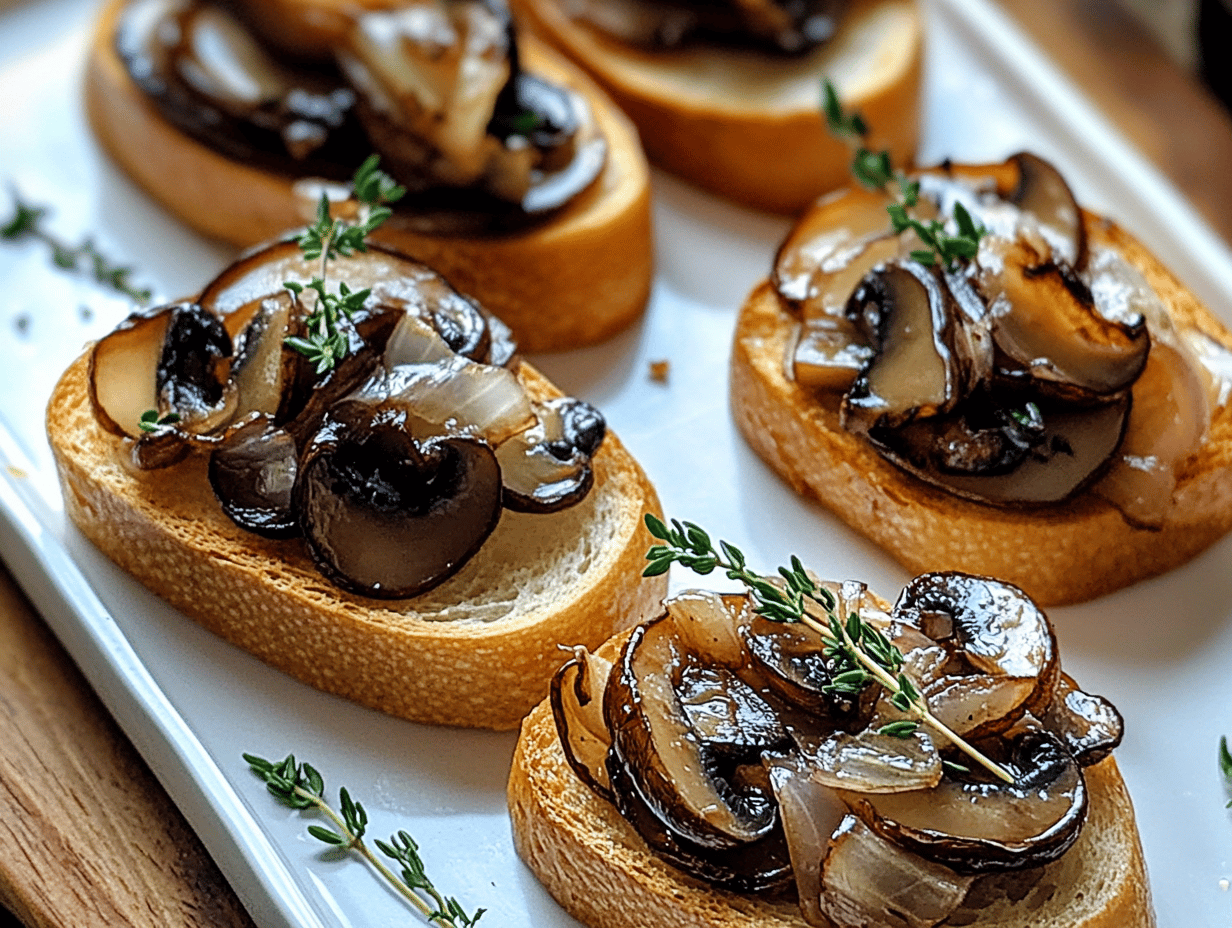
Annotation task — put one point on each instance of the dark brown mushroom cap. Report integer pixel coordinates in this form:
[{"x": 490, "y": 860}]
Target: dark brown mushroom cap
[
  {"x": 387, "y": 515},
  {"x": 253, "y": 472},
  {"x": 996, "y": 627},
  {"x": 546, "y": 468},
  {"x": 193, "y": 373},
  {"x": 760, "y": 866},
  {"x": 1088, "y": 725},
  {"x": 686, "y": 780},
  {"x": 977, "y": 826}
]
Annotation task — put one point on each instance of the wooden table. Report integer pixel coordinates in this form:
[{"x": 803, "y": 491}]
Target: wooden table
[{"x": 88, "y": 837}]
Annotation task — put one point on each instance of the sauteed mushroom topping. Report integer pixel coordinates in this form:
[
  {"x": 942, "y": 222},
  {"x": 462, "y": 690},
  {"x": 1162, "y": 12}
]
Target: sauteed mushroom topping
[
  {"x": 721, "y": 741},
  {"x": 779, "y": 26},
  {"x": 435, "y": 87},
  {"x": 1010, "y": 379},
  {"x": 394, "y": 464}
]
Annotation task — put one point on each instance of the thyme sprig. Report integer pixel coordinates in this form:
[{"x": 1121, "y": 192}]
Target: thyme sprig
[
  {"x": 328, "y": 239},
  {"x": 27, "y": 223},
  {"x": 860, "y": 654},
  {"x": 1225, "y": 766},
  {"x": 300, "y": 786},
  {"x": 873, "y": 170}
]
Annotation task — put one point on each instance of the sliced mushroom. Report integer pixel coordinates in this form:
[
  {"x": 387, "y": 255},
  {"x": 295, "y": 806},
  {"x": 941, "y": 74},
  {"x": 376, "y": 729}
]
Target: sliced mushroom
[
  {"x": 829, "y": 354},
  {"x": 1045, "y": 321},
  {"x": 192, "y": 378},
  {"x": 547, "y": 466},
  {"x": 996, "y": 627},
  {"x": 869, "y": 881},
  {"x": 252, "y": 472},
  {"x": 1089, "y": 726},
  {"x": 265, "y": 369},
  {"x": 123, "y": 365},
  {"x": 757, "y": 866},
  {"x": 791, "y": 658},
  {"x": 386, "y": 515},
  {"x": 1043, "y": 192},
  {"x": 916, "y": 372},
  {"x": 976, "y": 826},
  {"x": 708, "y": 624},
  {"x": 1026, "y": 461},
  {"x": 576, "y": 695},
  {"x": 657, "y": 739}
]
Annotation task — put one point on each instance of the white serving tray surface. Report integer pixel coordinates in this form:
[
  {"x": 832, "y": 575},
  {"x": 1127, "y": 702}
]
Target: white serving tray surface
[{"x": 192, "y": 704}]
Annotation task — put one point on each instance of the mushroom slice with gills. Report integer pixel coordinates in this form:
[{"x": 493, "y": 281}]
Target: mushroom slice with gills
[
  {"x": 760, "y": 865},
  {"x": 810, "y": 813},
  {"x": 252, "y": 472},
  {"x": 685, "y": 780},
  {"x": 265, "y": 367},
  {"x": 1043, "y": 192},
  {"x": 869, "y": 761},
  {"x": 546, "y": 467},
  {"x": 791, "y": 660},
  {"x": 1045, "y": 321},
  {"x": 192, "y": 377},
  {"x": 123, "y": 368},
  {"x": 455, "y": 394},
  {"x": 1167, "y": 422},
  {"x": 576, "y": 696},
  {"x": 866, "y": 880},
  {"x": 975, "y": 825},
  {"x": 1088, "y": 725},
  {"x": 823, "y": 258},
  {"x": 996, "y": 627},
  {"x": 916, "y": 373},
  {"x": 1058, "y": 452},
  {"x": 387, "y": 515},
  {"x": 708, "y": 624}
]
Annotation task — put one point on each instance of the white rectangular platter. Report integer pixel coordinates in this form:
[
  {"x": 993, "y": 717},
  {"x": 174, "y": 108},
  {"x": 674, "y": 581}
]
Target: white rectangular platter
[{"x": 193, "y": 704}]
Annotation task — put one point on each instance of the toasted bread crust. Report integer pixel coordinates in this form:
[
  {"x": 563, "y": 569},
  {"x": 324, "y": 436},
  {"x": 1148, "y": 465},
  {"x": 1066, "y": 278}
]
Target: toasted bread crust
[
  {"x": 576, "y": 279},
  {"x": 476, "y": 651},
  {"x": 689, "y": 127},
  {"x": 1063, "y": 553},
  {"x": 597, "y": 867}
]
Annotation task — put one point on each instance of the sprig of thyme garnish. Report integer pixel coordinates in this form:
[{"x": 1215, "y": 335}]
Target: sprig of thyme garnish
[
  {"x": 326, "y": 240},
  {"x": 151, "y": 422},
  {"x": 874, "y": 171},
  {"x": 299, "y": 786},
  {"x": 1225, "y": 766},
  {"x": 860, "y": 654},
  {"x": 27, "y": 223}
]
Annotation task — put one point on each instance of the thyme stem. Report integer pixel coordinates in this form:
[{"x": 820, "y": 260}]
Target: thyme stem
[{"x": 861, "y": 650}]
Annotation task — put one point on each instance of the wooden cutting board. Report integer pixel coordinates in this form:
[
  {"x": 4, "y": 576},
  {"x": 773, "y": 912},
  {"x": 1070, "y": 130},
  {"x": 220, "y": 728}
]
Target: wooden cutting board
[{"x": 88, "y": 837}]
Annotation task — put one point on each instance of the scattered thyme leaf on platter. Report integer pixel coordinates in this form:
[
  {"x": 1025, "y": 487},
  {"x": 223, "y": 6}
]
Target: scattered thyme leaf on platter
[
  {"x": 872, "y": 169},
  {"x": 1225, "y": 766},
  {"x": 328, "y": 239},
  {"x": 860, "y": 654},
  {"x": 27, "y": 223},
  {"x": 301, "y": 787}
]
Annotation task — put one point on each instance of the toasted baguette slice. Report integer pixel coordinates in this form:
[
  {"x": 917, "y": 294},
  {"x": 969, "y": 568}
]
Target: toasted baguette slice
[
  {"x": 747, "y": 126},
  {"x": 578, "y": 278},
  {"x": 476, "y": 651},
  {"x": 1062, "y": 553},
  {"x": 597, "y": 867}
]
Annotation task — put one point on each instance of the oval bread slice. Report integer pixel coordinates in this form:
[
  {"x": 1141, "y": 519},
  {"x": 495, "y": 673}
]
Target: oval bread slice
[
  {"x": 476, "y": 651},
  {"x": 578, "y": 278},
  {"x": 748, "y": 126},
  {"x": 1063, "y": 553}
]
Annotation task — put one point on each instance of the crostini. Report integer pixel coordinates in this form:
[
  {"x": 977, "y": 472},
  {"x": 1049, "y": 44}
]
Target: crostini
[
  {"x": 415, "y": 526},
  {"x": 1048, "y": 410},
  {"x": 528, "y": 188},
  {"x": 726, "y": 95},
  {"x": 716, "y": 768}
]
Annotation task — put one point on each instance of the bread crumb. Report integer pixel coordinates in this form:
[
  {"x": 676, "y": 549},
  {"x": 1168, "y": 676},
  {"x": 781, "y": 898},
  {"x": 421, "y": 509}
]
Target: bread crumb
[{"x": 659, "y": 370}]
